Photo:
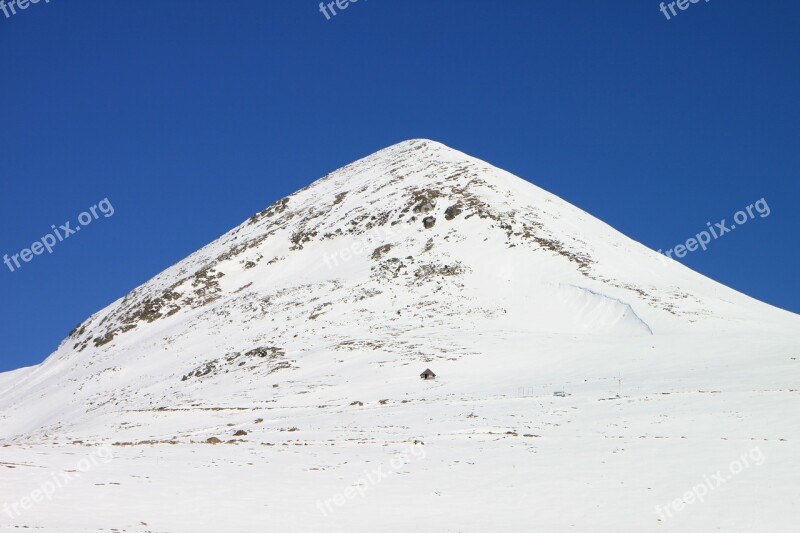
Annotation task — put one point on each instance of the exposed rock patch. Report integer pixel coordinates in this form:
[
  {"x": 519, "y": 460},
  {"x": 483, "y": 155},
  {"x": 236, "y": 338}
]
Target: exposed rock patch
[{"x": 452, "y": 212}]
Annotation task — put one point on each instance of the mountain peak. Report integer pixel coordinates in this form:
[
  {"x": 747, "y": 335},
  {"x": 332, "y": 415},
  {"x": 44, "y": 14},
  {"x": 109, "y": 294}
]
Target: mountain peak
[{"x": 406, "y": 255}]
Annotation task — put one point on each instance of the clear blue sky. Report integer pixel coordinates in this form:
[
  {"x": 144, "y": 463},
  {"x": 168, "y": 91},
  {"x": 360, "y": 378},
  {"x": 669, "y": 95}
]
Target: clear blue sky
[{"x": 189, "y": 116}]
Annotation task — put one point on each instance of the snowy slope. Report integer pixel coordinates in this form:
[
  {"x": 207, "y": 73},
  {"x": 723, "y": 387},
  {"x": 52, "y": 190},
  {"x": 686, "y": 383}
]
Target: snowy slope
[{"x": 316, "y": 316}]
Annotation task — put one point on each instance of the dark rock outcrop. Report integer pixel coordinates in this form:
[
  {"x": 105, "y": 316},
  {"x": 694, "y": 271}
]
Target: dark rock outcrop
[{"x": 452, "y": 212}]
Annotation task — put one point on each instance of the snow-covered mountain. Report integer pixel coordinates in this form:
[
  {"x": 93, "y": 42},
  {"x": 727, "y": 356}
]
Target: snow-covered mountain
[{"x": 305, "y": 330}]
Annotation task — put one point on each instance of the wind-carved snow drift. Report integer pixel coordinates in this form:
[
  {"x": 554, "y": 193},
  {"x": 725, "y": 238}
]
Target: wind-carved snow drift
[{"x": 594, "y": 312}]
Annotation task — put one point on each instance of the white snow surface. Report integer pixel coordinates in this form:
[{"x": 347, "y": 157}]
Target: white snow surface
[{"x": 307, "y": 326}]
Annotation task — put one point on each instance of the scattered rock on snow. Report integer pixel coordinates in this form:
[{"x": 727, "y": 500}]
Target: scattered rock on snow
[
  {"x": 423, "y": 207},
  {"x": 452, "y": 212}
]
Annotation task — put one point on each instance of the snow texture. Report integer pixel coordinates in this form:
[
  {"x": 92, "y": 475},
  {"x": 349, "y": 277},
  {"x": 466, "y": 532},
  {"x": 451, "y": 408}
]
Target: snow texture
[{"x": 305, "y": 330}]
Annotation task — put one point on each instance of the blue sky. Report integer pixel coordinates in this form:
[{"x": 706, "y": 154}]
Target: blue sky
[{"x": 189, "y": 116}]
